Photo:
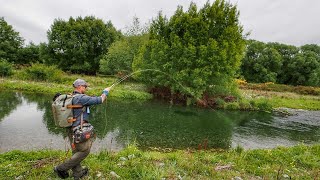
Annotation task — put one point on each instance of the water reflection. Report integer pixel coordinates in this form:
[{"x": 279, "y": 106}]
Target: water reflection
[
  {"x": 27, "y": 124},
  {"x": 9, "y": 102}
]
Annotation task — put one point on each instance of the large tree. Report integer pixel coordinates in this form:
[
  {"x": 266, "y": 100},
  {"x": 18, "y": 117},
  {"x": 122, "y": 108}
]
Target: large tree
[
  {"x": 288, "y": 53},
  {"x": 282, "y": 63},
  {"x": 10, "y": 42},
  {"x": 29, "y": 54},
  {"x": 304, "y": 69},
  {"x": 194, "y": 52},
  {"x": 311, "y": 47},
  {"x": 78, "y": 44},
  {"x": 120, "y": 55},
  {"x": 262, "y": 63}
]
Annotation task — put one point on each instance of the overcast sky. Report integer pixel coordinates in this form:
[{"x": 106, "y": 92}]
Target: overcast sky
[{"x": 293, "y": 22}]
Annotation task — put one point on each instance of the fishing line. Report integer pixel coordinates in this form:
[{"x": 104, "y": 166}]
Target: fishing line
[
  {"x": 144, "y": 70},
  {"x": 156, "y": 70}
]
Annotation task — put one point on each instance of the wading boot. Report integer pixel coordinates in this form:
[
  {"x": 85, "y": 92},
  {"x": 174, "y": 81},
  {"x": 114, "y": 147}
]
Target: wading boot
[
  {"x": 61, "y": 174},
  {"x": 84, "y": 172}
]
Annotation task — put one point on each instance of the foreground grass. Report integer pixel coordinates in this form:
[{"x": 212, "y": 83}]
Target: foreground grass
[{"x": 299, "y": 162}]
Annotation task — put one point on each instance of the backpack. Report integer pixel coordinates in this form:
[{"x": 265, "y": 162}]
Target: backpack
[{"x": 62, "y": 109}]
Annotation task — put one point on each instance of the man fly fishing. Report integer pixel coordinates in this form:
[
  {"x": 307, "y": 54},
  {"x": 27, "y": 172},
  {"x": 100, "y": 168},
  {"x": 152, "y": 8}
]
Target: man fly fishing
[{"x": 81, "y": 131}]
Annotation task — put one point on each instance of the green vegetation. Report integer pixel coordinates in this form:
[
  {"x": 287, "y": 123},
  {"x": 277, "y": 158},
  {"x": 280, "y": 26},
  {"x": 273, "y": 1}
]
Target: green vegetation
[
  {"x": 301, "y": 103},
  {"x": 279, "y": 95},
  {"x": 6, "y": 68},
  {"x": 121, "y": 53},
  {"x": 125, "y": 90},
  {"x": 194, "y": 52},
  {"x": 261, "y": 63},
  {"x": 29, "y": 54},
  {"x": 304, "y": 90},
  {"x": 78, "y": 44},
  {"x": 10, "y": 42},
  {"x": 119, "y": 58},
  {"x": 201, "y": 49},
  {"x": 298, "y": 162},
  {"x": 272, "y": 99},
  {"x": 193, "y": 55},
  {"x": 41, "y": 72},
  {"x": 262, "y": 97},
  {"x": 280, "y": 63}
]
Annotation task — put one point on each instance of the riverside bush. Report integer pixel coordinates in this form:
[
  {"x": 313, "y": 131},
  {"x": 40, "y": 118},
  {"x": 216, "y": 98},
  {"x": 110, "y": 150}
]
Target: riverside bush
[
  {"x": 120, "y": 55},
  {"x": 220, "y": 103},
  {"x": 264, "y": 105},
  {"x": 232, "y": 106},
  {"x": 6, "y": 68},
  {"x": 245, "y": 104},
  {"x": 199, "y": 50},
  {"x": 41, "y": 72}
]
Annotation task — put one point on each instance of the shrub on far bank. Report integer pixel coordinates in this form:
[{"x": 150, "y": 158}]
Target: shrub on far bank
[
  {"x": 6, "y": 68},
  {"x": 263, "y": 105},
  {"x": 220, "y": 103},
  {"x": 232, "y": 106},
  {"x": 247, "y": 105},
  {"x": 41, "y": 72}
]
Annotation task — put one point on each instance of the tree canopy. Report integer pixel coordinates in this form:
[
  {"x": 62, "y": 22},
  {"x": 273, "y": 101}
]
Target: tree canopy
[
  {"x": 121, "y": 53},
  {"x": 78, "y": 44},
  {"x": 10, "y": 42},
  {"x": 281, "y": 63},
  {"x": 261, "y": 63},
  {"x": 195, "y": 51}
]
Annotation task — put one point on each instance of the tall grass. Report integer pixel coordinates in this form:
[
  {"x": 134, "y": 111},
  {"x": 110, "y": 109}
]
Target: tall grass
[{"x": 41, "y": 72}]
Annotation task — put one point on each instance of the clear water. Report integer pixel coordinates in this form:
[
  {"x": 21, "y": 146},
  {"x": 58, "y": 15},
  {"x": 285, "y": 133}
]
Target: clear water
[{"x": 26, "y": 123}]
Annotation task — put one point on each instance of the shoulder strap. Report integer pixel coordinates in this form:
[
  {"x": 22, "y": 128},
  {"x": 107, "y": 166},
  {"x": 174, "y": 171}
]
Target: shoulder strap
[
  {"x": 76, "y": 106},
  {"x": 81, "y": 122},
  {"x": 64, "y": 101}
]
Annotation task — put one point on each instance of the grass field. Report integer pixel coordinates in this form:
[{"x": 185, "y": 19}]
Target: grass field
[{"x": 299, "y": 162}]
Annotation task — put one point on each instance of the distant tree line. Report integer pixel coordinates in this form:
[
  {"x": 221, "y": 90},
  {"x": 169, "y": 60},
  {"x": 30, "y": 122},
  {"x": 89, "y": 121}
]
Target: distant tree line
[
  {"x": 11, "y": 46},
  {"x": 76, "y": 45},
  {"x": 281, "y": 63},
  {"x": 198, "y": 51}
]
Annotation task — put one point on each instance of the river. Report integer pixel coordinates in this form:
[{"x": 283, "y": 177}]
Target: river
[{"x": 26, "y": 123}]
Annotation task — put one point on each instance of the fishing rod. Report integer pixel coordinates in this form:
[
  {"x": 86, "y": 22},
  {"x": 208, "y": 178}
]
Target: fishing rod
[
  {"x": 156, "y": 70},
  {"x": 126, "y": 76}
]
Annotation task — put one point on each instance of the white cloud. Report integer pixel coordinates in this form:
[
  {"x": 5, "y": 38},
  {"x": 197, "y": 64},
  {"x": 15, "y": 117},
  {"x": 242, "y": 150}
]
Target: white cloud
[{"x": 286, "y": 21}]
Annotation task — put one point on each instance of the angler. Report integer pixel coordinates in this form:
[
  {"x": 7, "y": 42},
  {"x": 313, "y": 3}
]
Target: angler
[{"x": 80, "y": 131}]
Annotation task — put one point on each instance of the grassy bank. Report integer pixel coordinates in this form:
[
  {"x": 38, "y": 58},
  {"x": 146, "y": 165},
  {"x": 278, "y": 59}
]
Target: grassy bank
[
  {"x": 124, "y": 90},
  {"x": 253, "y": 96},
  {"x": 278, "y": 95},
  {"x": 299, "y": 162}
]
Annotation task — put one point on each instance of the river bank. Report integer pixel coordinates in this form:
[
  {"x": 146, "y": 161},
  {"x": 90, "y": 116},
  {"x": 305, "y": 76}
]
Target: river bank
[
  {"x": 298, "y": 162},
  {"x": 263, "y": 97}
]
